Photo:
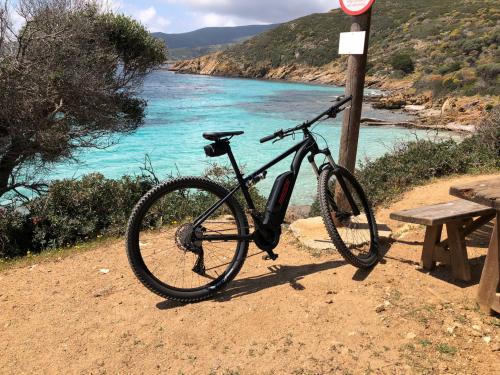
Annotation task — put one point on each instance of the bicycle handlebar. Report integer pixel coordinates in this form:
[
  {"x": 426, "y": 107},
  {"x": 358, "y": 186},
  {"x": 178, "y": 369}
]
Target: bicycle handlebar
[
  {"x": 330, "y": 112},
  {"x": 279, "y": 133}
]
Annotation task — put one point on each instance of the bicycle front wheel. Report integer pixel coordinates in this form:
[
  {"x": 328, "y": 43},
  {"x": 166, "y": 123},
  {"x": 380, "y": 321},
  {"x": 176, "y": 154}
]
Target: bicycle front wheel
[
  {"x": 350, "y": 222},
  {"x": 164, "y": 247}
]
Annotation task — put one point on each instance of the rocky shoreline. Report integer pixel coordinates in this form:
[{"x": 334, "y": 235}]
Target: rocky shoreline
[{"x": 456, "y": 114}]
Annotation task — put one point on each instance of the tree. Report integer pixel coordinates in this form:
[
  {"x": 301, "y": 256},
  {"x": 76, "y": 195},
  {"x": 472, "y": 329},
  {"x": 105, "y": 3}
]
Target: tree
[
  {"x": 68, "y": 81},
  {"x": 403, "y": 62}
]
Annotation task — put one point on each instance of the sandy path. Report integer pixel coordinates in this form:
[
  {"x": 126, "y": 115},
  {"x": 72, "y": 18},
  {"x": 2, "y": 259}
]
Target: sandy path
[{"x": 303, "y": 314}]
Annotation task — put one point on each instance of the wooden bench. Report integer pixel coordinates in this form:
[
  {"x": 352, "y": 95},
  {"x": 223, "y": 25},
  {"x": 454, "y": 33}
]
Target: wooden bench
[{"x": 458, "y": 217}]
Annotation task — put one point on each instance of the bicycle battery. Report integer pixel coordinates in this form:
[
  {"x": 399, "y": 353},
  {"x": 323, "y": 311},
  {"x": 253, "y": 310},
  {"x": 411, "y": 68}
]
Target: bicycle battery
[
  {"x": 216, "y": 149},
  {"x": 279, "y": 199}
]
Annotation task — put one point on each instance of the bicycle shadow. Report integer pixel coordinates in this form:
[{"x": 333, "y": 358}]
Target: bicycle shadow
[{"x": 277, "y": 275}]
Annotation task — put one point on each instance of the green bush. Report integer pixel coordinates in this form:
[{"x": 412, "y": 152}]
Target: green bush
[
  {"x": 79, "y": 210},
  {"x": 449, "y": 68},
  {"x": 472, "y": 45},
  {"x": 16, "y": 232},
  {"x": 74, "y": 211},
  {"x": 489, "y": 71},
  {"x": 403, "y": 62},
  {"x": 417, "y": 162},
  {"x": 225, "y": 176}
]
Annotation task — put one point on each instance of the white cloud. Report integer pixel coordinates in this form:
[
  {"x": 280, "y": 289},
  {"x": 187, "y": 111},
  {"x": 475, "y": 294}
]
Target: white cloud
[
  {"x": 213, "y": 19},
  {"x": 256, "y": 11},
  {"x": 17, "y": 20},
  {"x": 111, "y": 5},
  {"x": 151, "y": 19}
]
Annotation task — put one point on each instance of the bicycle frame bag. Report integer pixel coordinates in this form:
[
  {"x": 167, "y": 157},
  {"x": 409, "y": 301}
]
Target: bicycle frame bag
[{"x": 279, "y": 199}]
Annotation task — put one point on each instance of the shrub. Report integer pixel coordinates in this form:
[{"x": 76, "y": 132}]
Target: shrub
[
  {"x": 449, "y": 68},
  {"x": 403, "y": 62},
  {"x": 225, "y": 176},
  {"x": 79, "y": 210},
  {"x": 488, "y": 133},
  {"x": 489, "y": 71},
  {"x": 433, "y": 82},
  {"x": 74, "y": 211},
  {"x": 16, "y": 231},
  {"x": 472, "y": 45},
  {"x": 417, "y": 162}
]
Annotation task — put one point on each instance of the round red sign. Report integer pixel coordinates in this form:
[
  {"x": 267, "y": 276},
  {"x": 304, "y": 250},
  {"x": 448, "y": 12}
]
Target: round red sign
[{"x": 356, "y": 7}]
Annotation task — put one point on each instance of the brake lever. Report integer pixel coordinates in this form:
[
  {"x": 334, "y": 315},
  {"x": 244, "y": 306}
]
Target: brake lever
[{"x": 334, "y": 113}]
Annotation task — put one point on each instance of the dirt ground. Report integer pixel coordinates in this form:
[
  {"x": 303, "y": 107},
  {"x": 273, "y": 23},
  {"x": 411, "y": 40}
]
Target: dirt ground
[{"x": 303, "y": 314}]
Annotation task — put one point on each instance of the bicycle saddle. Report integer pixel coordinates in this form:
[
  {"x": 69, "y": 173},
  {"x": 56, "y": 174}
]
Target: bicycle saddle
[{"x": 218, "y": 135}]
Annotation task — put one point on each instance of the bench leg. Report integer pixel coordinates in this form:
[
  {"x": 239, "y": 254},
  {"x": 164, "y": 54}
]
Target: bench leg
[
  {"x": 432, "y": 238},
  {"x": 458, "y": 251},
  {"x": 488, "y": 296}
]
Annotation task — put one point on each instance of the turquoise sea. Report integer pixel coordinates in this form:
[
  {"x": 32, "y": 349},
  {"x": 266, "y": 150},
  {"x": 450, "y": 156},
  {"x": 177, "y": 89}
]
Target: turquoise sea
[{"x": 182, "y": 107}]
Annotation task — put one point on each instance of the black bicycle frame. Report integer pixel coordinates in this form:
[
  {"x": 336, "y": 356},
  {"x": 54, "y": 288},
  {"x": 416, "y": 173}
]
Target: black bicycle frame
[{"x": 301, "y": 150}]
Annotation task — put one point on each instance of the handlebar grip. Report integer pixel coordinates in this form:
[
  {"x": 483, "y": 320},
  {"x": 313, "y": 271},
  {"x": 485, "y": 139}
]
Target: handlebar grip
[
  {"x": 269, "y": 137},
  {"x": 343, "y": 100}
]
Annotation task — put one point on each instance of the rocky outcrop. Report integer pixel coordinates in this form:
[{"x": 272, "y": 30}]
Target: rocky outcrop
[
  {"x": 218, "y": 64},
  {"x": 400, "y": 100}
]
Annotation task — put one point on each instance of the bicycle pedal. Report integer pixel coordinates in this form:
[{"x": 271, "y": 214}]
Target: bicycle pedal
[{"x": 272, "y": 256}]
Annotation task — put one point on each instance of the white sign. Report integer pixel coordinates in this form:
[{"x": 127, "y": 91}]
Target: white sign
[
  {"x": 356, "y": 7},
  {"x": 352, "y": 43}
]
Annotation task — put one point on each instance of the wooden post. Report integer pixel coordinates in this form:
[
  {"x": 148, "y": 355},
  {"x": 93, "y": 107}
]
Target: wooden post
[{"x": 355, "y": 83}]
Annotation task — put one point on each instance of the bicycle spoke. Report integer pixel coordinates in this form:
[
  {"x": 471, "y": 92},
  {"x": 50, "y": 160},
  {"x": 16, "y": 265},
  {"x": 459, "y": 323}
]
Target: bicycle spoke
[{"x": 169, "y": 247}]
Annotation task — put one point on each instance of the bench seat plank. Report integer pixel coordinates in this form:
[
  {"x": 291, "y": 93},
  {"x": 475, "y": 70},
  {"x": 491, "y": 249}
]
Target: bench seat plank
[{"x": 442, "y": 213}]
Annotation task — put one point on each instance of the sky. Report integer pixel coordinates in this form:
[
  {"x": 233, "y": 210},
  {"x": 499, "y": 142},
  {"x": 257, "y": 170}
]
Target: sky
[{"x": 177, "y": 16}]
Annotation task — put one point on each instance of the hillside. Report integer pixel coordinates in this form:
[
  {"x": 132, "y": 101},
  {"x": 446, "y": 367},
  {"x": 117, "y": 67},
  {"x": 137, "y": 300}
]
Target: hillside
[
  {"x": 437, "y": 48},
  {"x": 208, "y": 39}
]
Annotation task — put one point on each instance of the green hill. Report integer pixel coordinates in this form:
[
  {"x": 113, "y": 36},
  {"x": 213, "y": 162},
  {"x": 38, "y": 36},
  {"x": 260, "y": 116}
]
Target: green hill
[
  {"x": 445, "y": 46},
  {"x": 208, "y": 39}
]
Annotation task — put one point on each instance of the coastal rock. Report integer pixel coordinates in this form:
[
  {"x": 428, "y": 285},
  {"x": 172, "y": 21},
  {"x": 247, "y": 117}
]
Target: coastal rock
[
  {"x": 218, "y": 65},
  {"x": 448, "y": 106}
]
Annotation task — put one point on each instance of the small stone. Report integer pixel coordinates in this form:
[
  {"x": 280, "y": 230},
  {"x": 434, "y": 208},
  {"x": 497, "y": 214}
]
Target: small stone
[
  {"x": 411, "y": 336},
  {"x": 495, "y": 347},
  {"x": 487, "y": 339},
  {"x": 380, "y": 308},
  {"x": 450, "y": 330},
  {"x": 476, "y": 328},
  {"x": 104, "y": 271},
  {"x": 439, "y": 307},
  {"x": 335, "y": 345},
  {"x": 329, "y": 302},
  {"x": 475, "y": 333},
  {"x": 103, "y": 292}
]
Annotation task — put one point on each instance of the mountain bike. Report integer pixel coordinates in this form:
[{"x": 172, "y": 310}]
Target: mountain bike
[{"x": 188, "y": 237}]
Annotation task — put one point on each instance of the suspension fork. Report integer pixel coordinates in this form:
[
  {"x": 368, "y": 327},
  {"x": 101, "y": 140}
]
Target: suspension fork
[{"x": 336, "y": 171}]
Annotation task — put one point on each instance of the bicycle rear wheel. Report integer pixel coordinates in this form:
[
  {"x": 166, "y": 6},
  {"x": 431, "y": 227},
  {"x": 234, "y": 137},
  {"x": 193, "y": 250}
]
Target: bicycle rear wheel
[
  {"x": 164, "y": 248},
  {"x": 354, "y": 234}
]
